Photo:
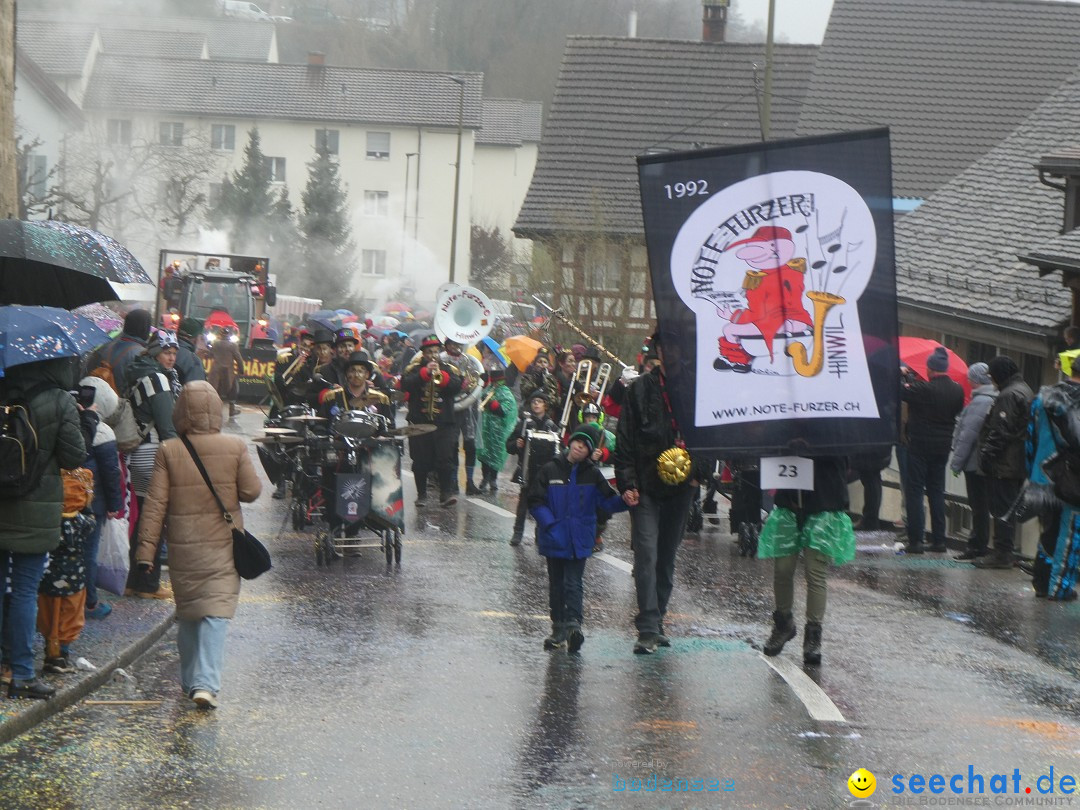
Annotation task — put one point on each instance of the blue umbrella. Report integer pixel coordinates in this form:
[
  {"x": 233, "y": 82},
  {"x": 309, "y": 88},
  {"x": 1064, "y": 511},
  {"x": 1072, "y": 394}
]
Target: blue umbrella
[{"x": 32, "y": 334}]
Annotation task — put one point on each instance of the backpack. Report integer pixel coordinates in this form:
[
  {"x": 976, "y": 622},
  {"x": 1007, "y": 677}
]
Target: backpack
[
  {"x": 21, "y": 462},
  {"x": 129, "y": 429}
]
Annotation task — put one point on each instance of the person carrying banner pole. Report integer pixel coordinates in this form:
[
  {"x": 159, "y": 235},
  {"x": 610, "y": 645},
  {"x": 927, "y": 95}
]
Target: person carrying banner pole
[{"x": 654, "y": 474}]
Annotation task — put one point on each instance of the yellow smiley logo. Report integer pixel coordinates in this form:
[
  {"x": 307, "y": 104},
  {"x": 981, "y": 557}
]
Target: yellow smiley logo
[{"x": 862, "y": 783}]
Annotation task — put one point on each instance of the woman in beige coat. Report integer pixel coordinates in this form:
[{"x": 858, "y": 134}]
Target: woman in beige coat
[{"x": 204, "y": 579}]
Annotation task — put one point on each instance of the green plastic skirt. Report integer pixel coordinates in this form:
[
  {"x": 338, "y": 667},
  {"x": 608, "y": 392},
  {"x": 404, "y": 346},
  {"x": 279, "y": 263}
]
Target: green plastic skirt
[{"x": 830, "y": 533}]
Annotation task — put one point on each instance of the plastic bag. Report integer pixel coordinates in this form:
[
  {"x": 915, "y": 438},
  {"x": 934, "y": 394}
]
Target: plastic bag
[{"x": 112, "y": 561}]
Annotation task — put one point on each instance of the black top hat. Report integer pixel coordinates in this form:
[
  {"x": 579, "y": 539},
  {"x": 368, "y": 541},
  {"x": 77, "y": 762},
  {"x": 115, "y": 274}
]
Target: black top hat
[
  {"x": 324, "y": 336},
  {"x": 361, "y": 359}
]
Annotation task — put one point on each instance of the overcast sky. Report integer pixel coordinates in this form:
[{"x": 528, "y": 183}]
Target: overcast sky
[{"x": 796, "y": 20}]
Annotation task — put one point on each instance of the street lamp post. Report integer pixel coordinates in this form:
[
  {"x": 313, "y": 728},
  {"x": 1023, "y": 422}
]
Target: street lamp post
[
  {"x": 405, "y": 210},
  {"x": 457, "y": 172}
]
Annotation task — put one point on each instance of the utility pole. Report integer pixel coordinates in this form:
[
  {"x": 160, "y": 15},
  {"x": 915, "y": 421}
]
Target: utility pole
[
  {"x": 457, "y": 173},
  {"x": 766, "y": 109},
  {"x": 9, "y": 187}
]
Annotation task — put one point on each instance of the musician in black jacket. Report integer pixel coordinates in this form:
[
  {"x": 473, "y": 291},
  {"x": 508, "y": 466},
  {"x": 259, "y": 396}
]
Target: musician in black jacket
[
  {"x": 431, "y": 387},
  {"x": 540, "y": 453}
]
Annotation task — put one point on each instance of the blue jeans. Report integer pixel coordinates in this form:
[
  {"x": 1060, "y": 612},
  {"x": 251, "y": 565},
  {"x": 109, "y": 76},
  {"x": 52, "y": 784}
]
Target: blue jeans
[
  {"x": 566, "y": 593},
  {"x": 90, "y": 550},
  {"x": 657, "y": 526},
  {"x": 925, "y": 474},
  {"x": 18, "y": 613},
  {"x": 202, "y": 653}
]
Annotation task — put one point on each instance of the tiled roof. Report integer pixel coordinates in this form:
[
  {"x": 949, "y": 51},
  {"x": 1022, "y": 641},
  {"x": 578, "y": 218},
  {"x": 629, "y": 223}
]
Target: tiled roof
[
  {"x": 170, "y": 44},
  {"x": 950, "y": 78},
  {"x": 229, "y": 39},
  {"x": 26, "y": 69},
  {"x": 264, "y": 90},
  {"x": 957, "y": 253},
  {"x": 616, "y": 98},
  {"x": 1058, "y": 253},
  {"x": 509, "y": 122},
  {"x": 60, "y": 49}
]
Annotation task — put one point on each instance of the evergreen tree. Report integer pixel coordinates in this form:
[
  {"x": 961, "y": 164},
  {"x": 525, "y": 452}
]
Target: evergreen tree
[
  {"x": 286, "y": 256},
  {"x": 326, "y": 234},
  {"x": 246, "y": 201}
]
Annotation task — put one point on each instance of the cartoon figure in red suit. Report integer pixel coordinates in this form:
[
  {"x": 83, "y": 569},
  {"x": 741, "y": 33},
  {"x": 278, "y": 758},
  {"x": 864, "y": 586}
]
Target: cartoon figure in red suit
[{"x": 773, "y": 287}]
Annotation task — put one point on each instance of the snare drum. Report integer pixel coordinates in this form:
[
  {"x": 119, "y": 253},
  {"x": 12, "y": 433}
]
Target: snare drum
[
  {"x": 540, "y": 448},
  {"x": 359, "y": 424}
]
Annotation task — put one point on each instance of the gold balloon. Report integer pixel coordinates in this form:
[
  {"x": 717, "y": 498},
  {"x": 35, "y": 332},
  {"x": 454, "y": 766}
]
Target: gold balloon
[{"x": 674, "y": 465}]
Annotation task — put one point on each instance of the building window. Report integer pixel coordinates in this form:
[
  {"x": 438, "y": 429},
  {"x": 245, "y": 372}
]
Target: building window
[
  {"x": 119, "y": 132},
  {"x": 171, "y": 133},
  {"x": 603, "y": 274},
  {"x": 276, "y": 168},
  {"x": 374, "y": 263},
  {"x": 37, "y": 171},
  {"x": 326, "y": 140},
  {"x": 376, "y": 203},
  {"x": 378, "y": 145},
  {"x": 223, "y": 136}
]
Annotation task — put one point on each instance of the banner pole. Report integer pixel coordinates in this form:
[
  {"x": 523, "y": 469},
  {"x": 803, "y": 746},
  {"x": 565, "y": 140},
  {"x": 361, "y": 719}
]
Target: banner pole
[{"x": 766, "y": 111}]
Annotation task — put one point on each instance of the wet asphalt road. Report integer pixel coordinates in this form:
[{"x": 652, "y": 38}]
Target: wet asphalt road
[{"x": 425, "y": 685}]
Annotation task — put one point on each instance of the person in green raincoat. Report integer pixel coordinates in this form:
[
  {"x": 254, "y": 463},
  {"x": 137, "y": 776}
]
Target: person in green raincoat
[
  {"x": 497, "y": 419},
  {"x": 816, "y": 523}
]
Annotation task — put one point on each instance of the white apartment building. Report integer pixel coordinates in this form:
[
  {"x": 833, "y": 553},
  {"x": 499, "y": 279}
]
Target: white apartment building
[{"x": 394, "y": 134}]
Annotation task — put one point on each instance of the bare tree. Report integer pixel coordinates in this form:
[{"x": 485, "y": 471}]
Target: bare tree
[{"x": 34, "y": 181}]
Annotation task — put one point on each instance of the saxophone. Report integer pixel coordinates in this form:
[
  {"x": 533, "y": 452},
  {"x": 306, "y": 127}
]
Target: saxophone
[{"x": 810, "y": 365}]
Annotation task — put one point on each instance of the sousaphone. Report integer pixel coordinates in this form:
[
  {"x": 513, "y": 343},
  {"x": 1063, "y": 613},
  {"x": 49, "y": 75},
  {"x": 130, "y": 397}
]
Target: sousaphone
[{"x": 464, "y": 315}]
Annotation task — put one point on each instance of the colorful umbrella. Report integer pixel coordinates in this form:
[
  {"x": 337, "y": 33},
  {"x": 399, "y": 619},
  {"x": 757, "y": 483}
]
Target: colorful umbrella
[
  {"x": 60, "y": 264},
  {"x": 101, "y": 316},
  {"x": 914, "y": 352},
  {"x": 521, "y": 350},
  {"x": 393, "y": 306},
  {"x": 32, "y": 334}
]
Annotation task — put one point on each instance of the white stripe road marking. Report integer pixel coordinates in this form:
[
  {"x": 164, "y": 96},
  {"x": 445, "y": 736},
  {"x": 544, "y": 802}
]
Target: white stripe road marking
[
  {"x": 498, "y": 510},
  {"x": 614, "y": 562},
  {"x": 813, "y": 697}
]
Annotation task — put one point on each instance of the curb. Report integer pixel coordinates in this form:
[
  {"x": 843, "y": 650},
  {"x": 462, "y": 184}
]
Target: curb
[{"x": 41, "y": 710}]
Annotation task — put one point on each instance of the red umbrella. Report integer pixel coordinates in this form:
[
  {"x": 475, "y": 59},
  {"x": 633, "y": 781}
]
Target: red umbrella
[{"x": 914, "y": 353}]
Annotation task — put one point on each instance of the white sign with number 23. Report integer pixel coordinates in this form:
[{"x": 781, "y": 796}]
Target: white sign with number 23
[{"x": 787, "y": 472}]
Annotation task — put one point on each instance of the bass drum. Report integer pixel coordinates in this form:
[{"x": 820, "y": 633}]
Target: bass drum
[{"x": 359, "y": 425}]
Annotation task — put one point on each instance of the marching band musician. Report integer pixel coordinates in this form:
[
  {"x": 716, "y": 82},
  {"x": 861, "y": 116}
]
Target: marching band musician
[
  {"x": 538, "y": 377},
  {"x": 467, "y": 417},
  {"x": 431, "y": 387},
  {"x": 324, "y": 356},
  {"x": 536, "y": 418},
  {"x": 360, "y": 392},
  {"x": 295, "y": 367}
]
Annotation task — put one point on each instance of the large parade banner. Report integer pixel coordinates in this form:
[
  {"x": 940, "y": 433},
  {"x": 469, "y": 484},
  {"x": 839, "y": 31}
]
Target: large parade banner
[{"x": 774, "y": 281}]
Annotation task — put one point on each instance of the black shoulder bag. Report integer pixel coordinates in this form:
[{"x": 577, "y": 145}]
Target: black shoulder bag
[{"x": 249, "y": 555}]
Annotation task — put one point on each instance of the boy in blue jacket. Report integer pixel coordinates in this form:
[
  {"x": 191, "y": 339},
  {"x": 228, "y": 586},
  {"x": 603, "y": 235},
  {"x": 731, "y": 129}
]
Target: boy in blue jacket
[{"x": 563, "y": 499}]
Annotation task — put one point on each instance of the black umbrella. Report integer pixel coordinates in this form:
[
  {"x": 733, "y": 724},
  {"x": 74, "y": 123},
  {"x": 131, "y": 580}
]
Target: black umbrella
[{"x": 58, "y": 264}]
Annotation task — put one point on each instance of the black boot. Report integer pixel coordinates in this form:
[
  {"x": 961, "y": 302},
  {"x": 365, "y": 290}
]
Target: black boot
[
  {"x": 783, "y": 631},
  {"x": 811, "y": 644},
  {"x": 559, "y": 633}
]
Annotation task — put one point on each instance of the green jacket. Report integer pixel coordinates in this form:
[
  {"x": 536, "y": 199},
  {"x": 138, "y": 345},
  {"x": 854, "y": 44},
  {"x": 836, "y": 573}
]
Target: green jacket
[
  {"x": 494, "y": 428},
  {"x": 31, "y": 524},
  {"x": 155, "y": 404}
]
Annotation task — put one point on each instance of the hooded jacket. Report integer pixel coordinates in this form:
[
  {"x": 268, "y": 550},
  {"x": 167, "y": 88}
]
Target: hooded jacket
[
  {"x": 204, "y": 579},
  {"x": 644, "y": 431},
  {"x": 563, "y": 499},
  {"x": 153, "y": 399},
  {"x": 1001, "y": 440},
  {"x": 31, "y": 524},
  {"x": 965, "y": 442},
  {"x": 102, "y": 457}
]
